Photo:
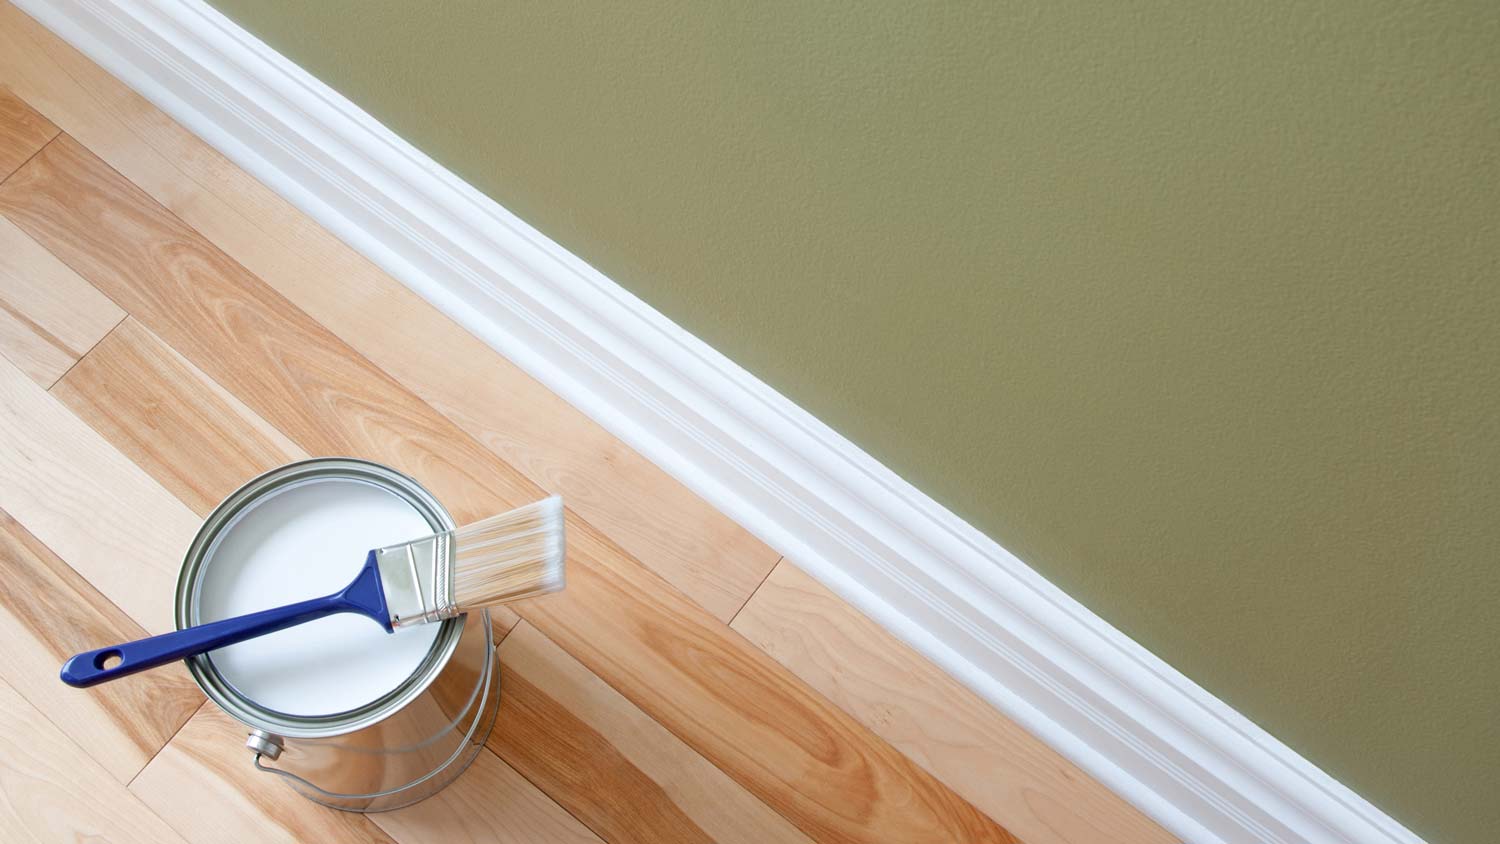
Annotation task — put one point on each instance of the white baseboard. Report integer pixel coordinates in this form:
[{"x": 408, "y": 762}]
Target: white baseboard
[{"x": 1198, "y": 767}]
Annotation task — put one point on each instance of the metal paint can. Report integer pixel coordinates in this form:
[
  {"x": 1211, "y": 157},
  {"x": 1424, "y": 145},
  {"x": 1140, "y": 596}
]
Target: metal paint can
[{"x": 402, "y": 744}]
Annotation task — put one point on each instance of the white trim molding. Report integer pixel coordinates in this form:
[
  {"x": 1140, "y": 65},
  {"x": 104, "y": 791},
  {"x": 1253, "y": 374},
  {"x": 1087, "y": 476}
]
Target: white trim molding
[{"x": 1199, "y": 768}]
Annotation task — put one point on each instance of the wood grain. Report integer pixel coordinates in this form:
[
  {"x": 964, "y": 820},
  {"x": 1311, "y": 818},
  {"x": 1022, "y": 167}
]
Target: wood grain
[
  {"x": 89, "y": 503},
  {"x": 580, "y": 768},
  {"x": 490, "y": 802},
  {"x": 49, "y": 317},
  {"x": 22, "y": 132},
  {"x": 609, "y": 763},
  {"x": 961, "y": 739},
  {"x": 47, "y": 614},
  {"x": 144, "y": 397},
  {"x": 707, "y": 556},
  {"x": 749, "y": 716},
  {"x": 206, "y": 766},
  {"x": 278, "y": 361},
  {"x": 746, "y": 714},
  {"x": 50, "y": 790}
]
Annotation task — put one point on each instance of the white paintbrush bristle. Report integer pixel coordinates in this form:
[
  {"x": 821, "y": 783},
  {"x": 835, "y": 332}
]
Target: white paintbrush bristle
[{"x": 510, "y": 556}]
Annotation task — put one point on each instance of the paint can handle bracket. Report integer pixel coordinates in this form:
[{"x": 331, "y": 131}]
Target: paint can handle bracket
[{"x": 265, "y": 744}]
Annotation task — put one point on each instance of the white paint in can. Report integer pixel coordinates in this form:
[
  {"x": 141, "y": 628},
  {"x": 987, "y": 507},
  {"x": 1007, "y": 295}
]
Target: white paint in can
[{"x": 303, "y": 541}]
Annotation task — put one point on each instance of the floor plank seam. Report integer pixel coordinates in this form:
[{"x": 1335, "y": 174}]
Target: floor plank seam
[
  {"x": 75, "y": 363},
  {"x": 111, "y": 602},
  {"x": 106, "y": 598},
  {"x": 35, "y": 328},
  {"x": 747, "y": 783},
  {"x": 519, "y": 772},
  {"x": 503, "y": 633},
  {"x": 22, "y": 165},
  {"x": 751, "y": 596},
  {"x": 180, "y": 727},
  {"x": 540, "y": 790}
]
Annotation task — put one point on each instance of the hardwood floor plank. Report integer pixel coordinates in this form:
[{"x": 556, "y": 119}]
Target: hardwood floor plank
[
  {"x": 89, "y": 503},
  {"x": 680, "y": 664},
  {"x": 929, "y": 716},
  {"x": 660, "y": 522},
  {"x": 48, "y": 613},
  {"x": 576, "y": 765},
  {"x": 23, "y": 131},
  {"x": 609, "y": 763},
  {"x": 490, "y": 802},
  {"x": 142, "y": 396},
  {"x": 204, "y": 784},
  {"x": 786, "y": 744},
  {"x": 49, "y": 317},
  {"x": 277, "y": 360},
  {"x": 50, "y": 790}
]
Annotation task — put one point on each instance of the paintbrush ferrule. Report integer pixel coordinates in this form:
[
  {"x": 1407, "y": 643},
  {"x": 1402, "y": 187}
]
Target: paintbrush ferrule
[{"x": 418, "y": 580}]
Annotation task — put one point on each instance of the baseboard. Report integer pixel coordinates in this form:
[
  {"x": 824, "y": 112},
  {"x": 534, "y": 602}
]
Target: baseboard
[{"x": 1198, "y": 767}]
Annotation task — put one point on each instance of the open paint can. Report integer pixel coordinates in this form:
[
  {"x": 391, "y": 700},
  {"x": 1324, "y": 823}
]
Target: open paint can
[{"x": 349, "y": 715}]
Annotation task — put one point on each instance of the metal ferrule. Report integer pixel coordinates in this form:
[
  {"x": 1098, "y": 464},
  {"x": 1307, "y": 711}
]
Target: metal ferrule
[{"x": 418, "y": 580}]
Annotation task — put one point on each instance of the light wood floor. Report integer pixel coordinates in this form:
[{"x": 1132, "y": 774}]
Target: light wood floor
[{"x": 170, "y": 328}]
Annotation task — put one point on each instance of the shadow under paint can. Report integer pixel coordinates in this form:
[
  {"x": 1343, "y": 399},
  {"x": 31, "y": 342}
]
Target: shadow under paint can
[{"x": 349, "y": 715}]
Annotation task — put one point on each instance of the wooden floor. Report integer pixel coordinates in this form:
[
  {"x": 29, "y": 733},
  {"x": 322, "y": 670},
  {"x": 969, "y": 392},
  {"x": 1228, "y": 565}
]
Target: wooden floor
[{"x": 170, "y": 328}]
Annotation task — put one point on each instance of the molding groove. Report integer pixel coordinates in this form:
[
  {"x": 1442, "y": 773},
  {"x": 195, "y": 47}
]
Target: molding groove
[{"x": 1196, "y": 766}]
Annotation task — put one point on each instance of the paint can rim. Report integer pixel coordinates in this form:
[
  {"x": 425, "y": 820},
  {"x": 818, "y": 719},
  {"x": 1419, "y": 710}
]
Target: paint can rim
[{"x": 247, "y": 710}]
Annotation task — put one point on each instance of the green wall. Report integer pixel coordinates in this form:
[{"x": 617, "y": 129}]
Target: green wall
[{"x": 1197, "y": 310}]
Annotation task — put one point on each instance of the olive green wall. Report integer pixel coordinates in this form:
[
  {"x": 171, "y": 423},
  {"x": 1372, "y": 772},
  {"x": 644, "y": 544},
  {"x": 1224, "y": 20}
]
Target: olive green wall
[{"x": 1196, "y": 310}]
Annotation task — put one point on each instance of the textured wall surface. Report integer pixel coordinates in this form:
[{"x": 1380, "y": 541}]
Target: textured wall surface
[{"x": 1195, "y": 309}]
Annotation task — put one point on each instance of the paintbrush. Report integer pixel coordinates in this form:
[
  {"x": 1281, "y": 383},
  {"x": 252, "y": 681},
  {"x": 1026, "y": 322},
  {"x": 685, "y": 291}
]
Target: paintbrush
[{"x": 503, "y": 558}]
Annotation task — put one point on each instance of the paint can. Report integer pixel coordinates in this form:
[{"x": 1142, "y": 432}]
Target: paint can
[{"x": 349, "y": 715}]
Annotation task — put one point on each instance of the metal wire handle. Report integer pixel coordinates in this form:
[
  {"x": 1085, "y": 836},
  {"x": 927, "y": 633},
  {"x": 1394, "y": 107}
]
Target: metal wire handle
[{"x": 491, "y": 670}]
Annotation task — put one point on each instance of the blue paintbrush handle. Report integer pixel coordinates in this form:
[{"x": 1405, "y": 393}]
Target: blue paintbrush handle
[{"x": 364, "y": 596}]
